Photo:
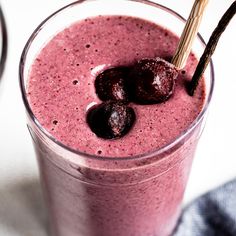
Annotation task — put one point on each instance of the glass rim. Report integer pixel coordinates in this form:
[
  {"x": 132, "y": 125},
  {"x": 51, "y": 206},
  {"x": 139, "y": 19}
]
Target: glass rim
[
  {"x": 4, "y": 45},
  {"x": 154, "y": 152}
]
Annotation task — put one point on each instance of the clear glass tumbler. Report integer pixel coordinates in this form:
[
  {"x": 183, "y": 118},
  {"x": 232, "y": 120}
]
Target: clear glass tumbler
[{"x": 93, "y": 196}]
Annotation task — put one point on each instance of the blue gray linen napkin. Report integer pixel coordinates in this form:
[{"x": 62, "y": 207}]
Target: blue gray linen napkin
[{"x": 213, "y": 214}]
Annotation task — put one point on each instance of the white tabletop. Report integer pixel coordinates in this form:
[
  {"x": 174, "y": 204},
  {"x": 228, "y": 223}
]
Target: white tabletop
[{"x": 21, "y": 208}]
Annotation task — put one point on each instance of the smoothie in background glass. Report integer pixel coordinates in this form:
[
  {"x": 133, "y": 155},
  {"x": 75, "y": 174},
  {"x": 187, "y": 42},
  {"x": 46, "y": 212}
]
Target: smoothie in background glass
[{"x": 95, "y": 187}]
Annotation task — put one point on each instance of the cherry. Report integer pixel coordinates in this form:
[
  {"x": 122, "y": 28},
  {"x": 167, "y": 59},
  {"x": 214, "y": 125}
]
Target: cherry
[
  {"x": 111, "y": 84},
  {"x": 152, "y": 81},
  {"x": 110, "y": 120}
]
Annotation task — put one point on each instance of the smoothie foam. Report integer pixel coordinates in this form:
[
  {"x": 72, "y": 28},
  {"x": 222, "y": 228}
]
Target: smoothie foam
[{"x": 61, "y": 85}]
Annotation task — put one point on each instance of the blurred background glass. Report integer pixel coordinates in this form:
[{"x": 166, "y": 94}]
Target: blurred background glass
[{"x": 3, "y": 42}]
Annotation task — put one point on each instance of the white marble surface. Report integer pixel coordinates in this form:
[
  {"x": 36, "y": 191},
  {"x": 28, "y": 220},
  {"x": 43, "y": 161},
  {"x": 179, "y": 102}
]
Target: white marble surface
[{"x": 21, "y": 208}]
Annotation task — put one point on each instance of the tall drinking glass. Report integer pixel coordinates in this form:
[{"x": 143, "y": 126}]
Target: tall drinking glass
[{"x": 88, "y": 195}]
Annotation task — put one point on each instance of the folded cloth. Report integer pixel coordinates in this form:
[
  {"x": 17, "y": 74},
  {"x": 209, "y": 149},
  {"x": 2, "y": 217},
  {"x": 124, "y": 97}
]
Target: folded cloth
[{"x": 213, "y": 214}]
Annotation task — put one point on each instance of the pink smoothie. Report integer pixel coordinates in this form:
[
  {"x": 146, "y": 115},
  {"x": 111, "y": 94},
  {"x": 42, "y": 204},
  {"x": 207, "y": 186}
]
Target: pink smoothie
[{"x": 101, "y": 200}]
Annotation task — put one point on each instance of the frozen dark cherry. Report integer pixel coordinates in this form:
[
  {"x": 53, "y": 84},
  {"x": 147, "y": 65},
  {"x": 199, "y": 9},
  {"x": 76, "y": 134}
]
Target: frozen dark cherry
[
  {"x": 111, "y": 84},
  {"x": 152, "y": 81},
  {"x": 149, "y": 81},
  {"x": 111, "y": 120}
]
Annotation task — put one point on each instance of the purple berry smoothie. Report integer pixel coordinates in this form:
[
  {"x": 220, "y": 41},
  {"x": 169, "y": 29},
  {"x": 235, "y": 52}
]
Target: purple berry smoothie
[{"x": 108, "y": 198}]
